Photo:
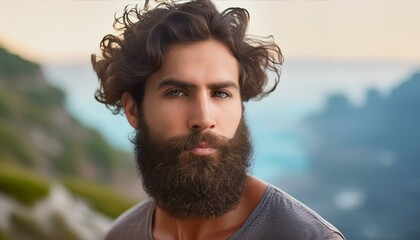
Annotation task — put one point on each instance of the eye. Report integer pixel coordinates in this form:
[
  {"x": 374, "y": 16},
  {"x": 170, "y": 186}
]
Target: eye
[
  {"x": 175, "y": 93},
  {"x": 221, "y": 94}
]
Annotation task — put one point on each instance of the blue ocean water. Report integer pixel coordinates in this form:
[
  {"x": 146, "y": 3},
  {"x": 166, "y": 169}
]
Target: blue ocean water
[{"x": 275, "y": 122}]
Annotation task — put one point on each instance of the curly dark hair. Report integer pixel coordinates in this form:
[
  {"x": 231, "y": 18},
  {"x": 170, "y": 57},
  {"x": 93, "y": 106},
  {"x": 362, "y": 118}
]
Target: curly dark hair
[{"x": 127, "y": 60}]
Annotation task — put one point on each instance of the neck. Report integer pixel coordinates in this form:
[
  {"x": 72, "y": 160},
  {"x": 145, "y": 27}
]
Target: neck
[{"x": 167, "y": 227}]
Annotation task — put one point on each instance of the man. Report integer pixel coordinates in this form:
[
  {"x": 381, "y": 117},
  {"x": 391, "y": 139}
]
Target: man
[{"x": 181, "y": 72}]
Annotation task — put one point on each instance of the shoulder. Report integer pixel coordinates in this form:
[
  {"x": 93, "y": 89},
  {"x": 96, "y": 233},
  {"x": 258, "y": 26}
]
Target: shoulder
[
  {"x": 280, "y": 216},
  {"x": 300, "y": 217},
  {"x": 133, "y": 223}
]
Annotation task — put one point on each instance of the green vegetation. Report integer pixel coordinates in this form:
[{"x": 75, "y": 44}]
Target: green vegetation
[
  {"x": 27, "y": 187},
  {"x": 61, "y": 230},
  {"x": 103, "y": 199},
  {"x": 36, "y": 132},
  {"x": 13, "y": 148},
  {"x": 26, "y": 228},
  {"x": 101, "y": 154},
  {"x": 2, "y": 235},
  {"x": 13, "y": 65},
  {"x": 8, "y": 102},
  {"x": 45, "y": 97},
  {"x": 23, "y": 185},
  {"x": 36, "y": 129},
  {"x": 5, "y": 108}
]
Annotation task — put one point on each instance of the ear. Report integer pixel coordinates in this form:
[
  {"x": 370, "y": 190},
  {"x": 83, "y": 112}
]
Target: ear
[{"x": 130, "y": 109}]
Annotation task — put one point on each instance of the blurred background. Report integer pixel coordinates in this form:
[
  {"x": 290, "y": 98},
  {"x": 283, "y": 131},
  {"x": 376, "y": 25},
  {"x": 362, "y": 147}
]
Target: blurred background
[{"x": 341, "y": 133}]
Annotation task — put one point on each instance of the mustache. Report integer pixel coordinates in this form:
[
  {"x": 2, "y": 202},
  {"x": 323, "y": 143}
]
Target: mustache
[{"x": 188, "y": 141}]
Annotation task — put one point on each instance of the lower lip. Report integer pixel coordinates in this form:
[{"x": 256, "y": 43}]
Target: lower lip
[{"x": 202, "y": 151}]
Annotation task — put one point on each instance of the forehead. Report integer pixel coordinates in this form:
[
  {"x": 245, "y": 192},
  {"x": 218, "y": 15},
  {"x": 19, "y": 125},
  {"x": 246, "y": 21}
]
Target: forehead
[{"x": 206, "y": 61}]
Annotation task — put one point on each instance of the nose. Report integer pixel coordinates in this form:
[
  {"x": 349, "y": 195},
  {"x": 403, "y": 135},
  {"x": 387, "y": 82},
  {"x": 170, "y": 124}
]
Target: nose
[{"x": 201, "y": 114}]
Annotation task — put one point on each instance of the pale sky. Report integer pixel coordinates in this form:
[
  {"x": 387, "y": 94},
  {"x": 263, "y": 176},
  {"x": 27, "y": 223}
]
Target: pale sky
[{"x": 65, "y": 31}]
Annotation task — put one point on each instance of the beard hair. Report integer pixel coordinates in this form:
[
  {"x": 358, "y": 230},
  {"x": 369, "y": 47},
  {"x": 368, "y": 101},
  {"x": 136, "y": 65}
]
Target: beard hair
[{"x": 188, "y": 186}]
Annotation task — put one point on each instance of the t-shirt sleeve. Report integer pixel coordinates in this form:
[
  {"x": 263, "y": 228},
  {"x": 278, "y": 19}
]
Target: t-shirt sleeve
[
  {"x": 280, "y": 216},
  {"x": 133, "y": 224}
]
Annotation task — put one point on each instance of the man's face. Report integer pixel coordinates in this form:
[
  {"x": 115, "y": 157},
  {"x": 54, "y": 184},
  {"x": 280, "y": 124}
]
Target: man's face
[
  {"x": 192, "y": 145},
  {"x": 196, "y": 89}
]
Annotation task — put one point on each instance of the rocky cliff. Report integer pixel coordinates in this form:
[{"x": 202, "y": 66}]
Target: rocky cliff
[{"x": 54, "y": 170}]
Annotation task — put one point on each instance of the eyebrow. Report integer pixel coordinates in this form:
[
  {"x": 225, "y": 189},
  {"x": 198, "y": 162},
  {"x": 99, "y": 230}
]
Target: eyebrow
[
  {"x": 175, "y": 83},
  {"x": 182, "y": 84}
]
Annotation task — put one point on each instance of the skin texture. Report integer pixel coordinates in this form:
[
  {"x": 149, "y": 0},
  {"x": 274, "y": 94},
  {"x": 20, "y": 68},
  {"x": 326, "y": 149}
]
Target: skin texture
[{"x": 196, "y": 90}]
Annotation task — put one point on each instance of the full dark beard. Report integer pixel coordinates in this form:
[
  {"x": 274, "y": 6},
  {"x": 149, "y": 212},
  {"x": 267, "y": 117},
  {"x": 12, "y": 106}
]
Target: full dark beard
[{"x": 188, "y": 186}]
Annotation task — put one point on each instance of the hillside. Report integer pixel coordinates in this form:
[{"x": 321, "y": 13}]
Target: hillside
[
  {"x": 40, "y": 133},
  {"x": 42, "y": 148}
]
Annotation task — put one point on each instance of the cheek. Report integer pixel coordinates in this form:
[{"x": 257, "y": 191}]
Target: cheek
[
  {"x": 163, "y": 120},
  {"x": 229, "y": 119}
]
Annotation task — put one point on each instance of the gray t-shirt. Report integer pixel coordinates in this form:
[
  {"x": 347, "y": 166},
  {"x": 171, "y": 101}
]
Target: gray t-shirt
[{"x": 277, "y": 216}]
